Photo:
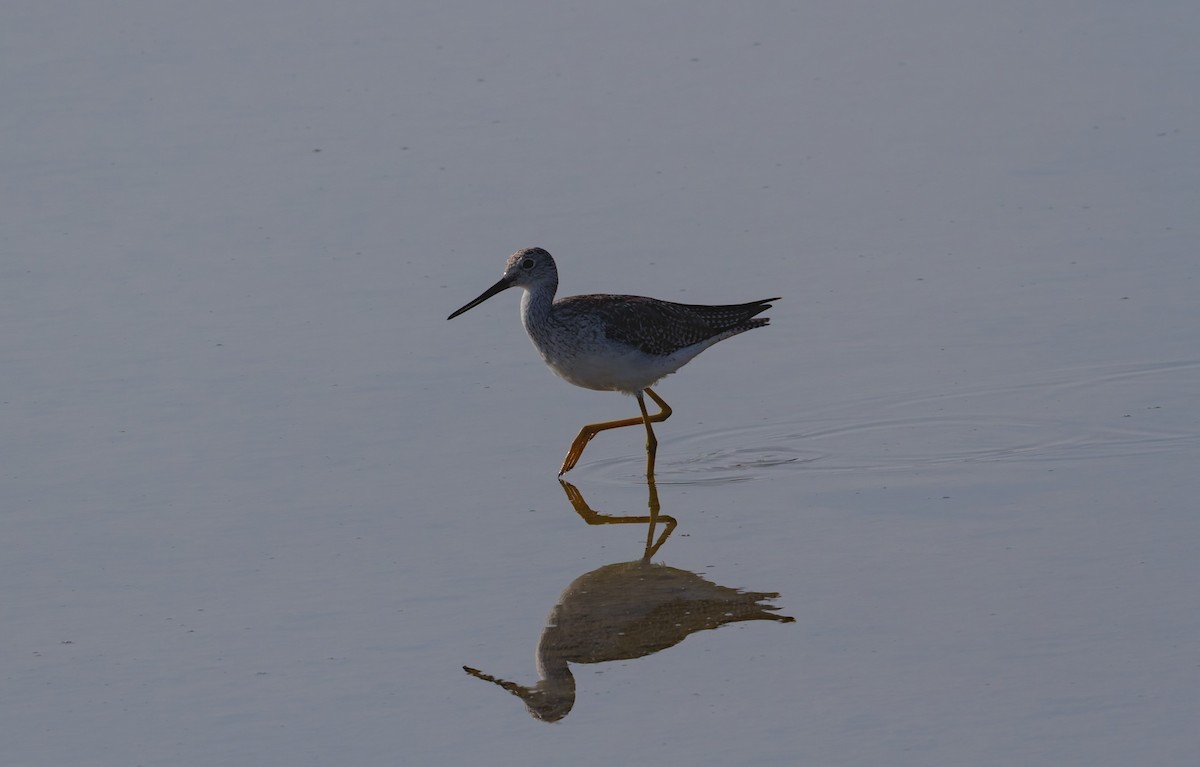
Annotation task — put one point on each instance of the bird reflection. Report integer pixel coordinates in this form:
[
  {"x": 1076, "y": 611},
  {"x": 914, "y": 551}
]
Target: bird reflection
[
  {"x": 652, "y": 521},
  {"x": 624, "y": 611}
]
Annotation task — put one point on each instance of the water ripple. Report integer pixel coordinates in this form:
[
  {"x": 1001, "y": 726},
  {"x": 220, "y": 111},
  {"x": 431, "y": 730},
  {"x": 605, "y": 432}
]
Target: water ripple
[{"x": 1085, "y": 421}]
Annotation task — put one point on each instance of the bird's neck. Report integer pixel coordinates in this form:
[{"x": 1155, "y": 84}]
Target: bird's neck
[{"x": 536, "y": 305}]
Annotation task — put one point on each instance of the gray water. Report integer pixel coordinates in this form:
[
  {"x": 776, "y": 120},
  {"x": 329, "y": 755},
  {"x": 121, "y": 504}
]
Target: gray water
[{"x": 262, "y": 503}]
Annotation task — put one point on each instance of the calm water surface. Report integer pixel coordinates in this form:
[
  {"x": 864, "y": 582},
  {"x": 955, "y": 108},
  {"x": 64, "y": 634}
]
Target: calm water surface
[{"x": 262, "y": 504}]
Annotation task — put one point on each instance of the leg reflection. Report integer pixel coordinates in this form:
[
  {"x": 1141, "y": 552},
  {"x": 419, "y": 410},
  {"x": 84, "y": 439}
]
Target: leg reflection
[{"x": 593, "y": 517}]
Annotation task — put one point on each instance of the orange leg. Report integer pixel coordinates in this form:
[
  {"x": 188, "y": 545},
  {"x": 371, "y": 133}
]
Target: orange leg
[{"x": 592, "y": 429}]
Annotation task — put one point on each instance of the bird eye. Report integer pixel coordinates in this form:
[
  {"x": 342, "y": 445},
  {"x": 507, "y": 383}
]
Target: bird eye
[{"x": 527, "y": 264}]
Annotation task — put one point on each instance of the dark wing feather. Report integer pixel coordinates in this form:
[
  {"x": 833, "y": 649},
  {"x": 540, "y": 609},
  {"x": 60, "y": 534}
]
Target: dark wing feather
[{"x": 662, "y": 327}]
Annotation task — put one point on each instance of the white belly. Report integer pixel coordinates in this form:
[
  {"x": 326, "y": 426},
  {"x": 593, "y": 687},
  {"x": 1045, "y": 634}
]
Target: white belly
[{"x": 614, "y": 368}]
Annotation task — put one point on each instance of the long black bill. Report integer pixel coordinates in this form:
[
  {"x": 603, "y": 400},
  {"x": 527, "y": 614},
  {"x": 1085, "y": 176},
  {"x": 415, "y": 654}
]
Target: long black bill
[{"x": 503, "y": 284}]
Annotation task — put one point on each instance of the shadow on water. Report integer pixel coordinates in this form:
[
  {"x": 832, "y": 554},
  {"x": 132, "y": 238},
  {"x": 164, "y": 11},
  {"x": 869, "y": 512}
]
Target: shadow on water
[{"x": 624, "y": 611}]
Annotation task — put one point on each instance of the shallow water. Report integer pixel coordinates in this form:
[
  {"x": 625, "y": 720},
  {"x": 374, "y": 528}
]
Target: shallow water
[{"x": 263, "y": 503}]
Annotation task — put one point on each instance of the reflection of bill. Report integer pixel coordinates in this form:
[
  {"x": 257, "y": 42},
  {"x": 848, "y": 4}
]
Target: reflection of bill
[{"x": 624, "y": 611}]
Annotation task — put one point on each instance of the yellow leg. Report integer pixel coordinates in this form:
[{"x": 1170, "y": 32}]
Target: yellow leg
[
  {"x": 651, "y": 441},
  {"x": 592, "y": 429}
]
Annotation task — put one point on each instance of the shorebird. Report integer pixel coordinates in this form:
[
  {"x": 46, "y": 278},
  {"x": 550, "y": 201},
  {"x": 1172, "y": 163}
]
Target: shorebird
[{"x": 614, "y": 343}]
